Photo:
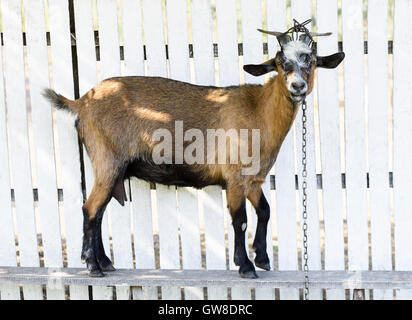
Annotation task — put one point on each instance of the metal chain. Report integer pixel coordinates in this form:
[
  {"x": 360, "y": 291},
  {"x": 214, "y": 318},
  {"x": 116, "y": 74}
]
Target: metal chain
[{"x": 304, "y": 205}]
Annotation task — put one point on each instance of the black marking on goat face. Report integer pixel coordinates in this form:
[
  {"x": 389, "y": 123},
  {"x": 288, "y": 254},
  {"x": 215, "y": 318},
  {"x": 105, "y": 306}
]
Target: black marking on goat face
[{"x": 296, "y": 60}]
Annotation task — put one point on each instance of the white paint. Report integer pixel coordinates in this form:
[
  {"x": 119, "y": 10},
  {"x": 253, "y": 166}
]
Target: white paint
[
  {"x": 301, "y": 11},
  {"x": 7, "y": 243},
  {"x": 166, "y": 198},
  {"x": 15, "y": 93},
  {"x": 110, "y": 67},
  {"x": 378, "y": 141},
  {"x": 327, "y": 13},
  {"x": 227, "y": 39},
  {"x": 87, "y": 79},
  {"x": 43, "y": 139},
  {"x": 402, "y": 117},
  {"x": 188, "y": 213}
]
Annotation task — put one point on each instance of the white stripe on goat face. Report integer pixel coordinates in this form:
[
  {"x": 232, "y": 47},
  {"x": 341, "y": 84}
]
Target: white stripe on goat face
[{"x": 294, "y": 53}]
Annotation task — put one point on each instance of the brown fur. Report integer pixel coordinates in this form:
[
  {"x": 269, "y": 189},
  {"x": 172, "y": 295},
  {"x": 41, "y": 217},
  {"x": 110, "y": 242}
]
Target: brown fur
[{"x": 117, "y": 118}]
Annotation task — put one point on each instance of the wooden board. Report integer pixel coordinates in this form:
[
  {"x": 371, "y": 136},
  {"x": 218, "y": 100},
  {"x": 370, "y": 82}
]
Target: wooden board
[
  {"x": 42, "y": 124},
  {"x": 214, "y": 224},
  {"x": 327, "y": 15},
  {"x": 166, "y": 198},
  {"x": 178, "y": 49},
  {"x": 110, "y": 67},
  {"x": 355, "y": 145},
  {"x": 253, "y": 54},
  {"x": 378, "y": 112},
  {"x": 61, "y": 61},
  {"x": 212, "y": 278},
  {"x": 301, "y": 11},
  {"x": 17, "y": 119},
  {"x": 87, "y": 72},
  {"x": 210, "y": 197},
  {"x": 7, "y": 245},
  {"x": 142, "y": 228},
  {"x": 227, "y": 41},
  {"x": 402, "y": 174},
  {"x": 143, "y": 233}
]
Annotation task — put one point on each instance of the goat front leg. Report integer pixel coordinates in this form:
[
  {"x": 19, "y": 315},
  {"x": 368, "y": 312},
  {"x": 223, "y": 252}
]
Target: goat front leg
[
  {"x": 259, "y": 202},
  {"x": 237, "y": 207}
]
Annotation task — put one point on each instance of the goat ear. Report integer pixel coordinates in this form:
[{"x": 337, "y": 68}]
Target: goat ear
[
  {"x": 260, "y": 69},
  {"x": 330, "y": 62}
]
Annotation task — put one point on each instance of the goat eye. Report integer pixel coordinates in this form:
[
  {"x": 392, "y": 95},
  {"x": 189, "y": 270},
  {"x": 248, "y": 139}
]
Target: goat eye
[
  {"x": 288, "y": 67},
  {"x": 305, "y": 58}
]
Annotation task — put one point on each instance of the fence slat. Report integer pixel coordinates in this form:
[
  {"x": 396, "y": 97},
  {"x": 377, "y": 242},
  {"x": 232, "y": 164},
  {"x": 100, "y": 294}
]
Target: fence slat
[
  {"x": 14, "y": 78},
  {"x": 140, "y": 190},
  {"x": 143, "y": 233},
  {"x": 202, "y": 34},
  {"x": 168, "y": 235},
  {"x": 356, "y": 212},
  {"x": 227, "y": 39},
  {"x": 356, "y": 197},
  {"x": 402, "y": 100},
  {"x": 378, "y": 141},
  {"x": 190, "y": 236},
  {"x": 67, "y": 139},
  {"x": 87, "y": 71},
  {"x": 156, "y": 66},
  {"x": 252, "y": 39},
  {"x": 301, "y": 11},
  {"x": 110, "y": 67},
  {"x": 177, "y": 28},
  {"x": 211, "y": 197},
  {"x": 7, "y": 243},
  {"x": 154, "y": 38},
  {"x": 214, "y": 225},
  {"x": 327, "y": 15},
  {"x": 132, "y": 38},
  {"x": 276, "y": 13},
  {"x": 227, "y": 43},
  {"x": 252, "y": 53},
  {"x": 42, "y": 122},
  {"x": 121, "y": 235},
  {"x": 285, "y": 173}
]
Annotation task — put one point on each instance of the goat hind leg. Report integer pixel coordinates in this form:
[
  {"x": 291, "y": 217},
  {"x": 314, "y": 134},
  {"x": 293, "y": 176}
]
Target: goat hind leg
[
  {"x": 104, "y": 262},
  {"x": 93, "y": 251},
  {"x": 89, "y": 248}
]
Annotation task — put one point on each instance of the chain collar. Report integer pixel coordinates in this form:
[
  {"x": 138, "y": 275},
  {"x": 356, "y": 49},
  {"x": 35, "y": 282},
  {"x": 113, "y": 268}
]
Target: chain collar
[{"x": 304, "y": 205}]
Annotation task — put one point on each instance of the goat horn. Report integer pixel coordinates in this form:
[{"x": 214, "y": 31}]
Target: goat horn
[
  {"x": 315, "y": 34},
  {"x": 273, "y": 33}
]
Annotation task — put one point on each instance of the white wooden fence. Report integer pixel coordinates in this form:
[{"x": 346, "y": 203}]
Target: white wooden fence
[{"x": 359, "y": 152}]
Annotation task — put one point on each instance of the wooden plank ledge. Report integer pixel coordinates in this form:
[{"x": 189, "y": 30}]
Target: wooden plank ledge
[{"x": 207, "y": 278}]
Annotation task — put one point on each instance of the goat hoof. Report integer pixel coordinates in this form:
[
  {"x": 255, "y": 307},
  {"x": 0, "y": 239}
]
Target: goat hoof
[
  {"x": 247, "y": 270},
  {"x": 264, "y": 266},
  {"x": 249, "y": 275},
  {"x": 105, "y": 264},
  {"x": 108, "y": 268},
  {"x": 96, "y": 273}
]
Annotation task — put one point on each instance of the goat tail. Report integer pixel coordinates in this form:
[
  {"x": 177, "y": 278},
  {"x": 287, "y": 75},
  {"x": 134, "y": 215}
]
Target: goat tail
[{"x": 60, "y": 102}]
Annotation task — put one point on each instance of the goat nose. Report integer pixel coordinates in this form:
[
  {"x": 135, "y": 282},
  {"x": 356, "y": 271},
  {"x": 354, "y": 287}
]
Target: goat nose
[{"x": 298, "y": 86}]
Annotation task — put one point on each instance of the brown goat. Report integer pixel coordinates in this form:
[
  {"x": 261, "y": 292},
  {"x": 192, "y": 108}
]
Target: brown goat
[{"x": 118, "y": 119}]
